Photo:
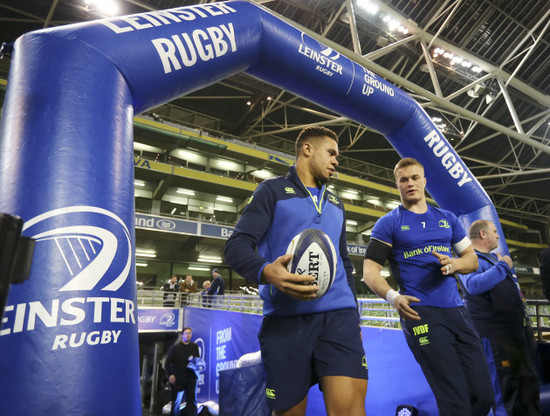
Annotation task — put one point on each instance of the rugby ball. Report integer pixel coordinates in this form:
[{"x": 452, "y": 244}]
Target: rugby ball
[{"x": 313, "y": 254}]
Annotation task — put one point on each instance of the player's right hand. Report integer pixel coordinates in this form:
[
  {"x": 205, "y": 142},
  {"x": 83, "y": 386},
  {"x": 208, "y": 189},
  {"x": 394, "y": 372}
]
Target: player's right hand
[
  {"x": 402, "y": 303},
  {"x": 294, "y": 285}
]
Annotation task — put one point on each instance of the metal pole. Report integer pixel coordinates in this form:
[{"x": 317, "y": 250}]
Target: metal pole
[
  {"x": 144, "y": 377},
  {"x": 154, "y": 384}
]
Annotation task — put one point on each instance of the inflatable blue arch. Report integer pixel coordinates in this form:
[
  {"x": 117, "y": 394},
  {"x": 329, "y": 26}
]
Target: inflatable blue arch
[{"x": 66, "y": 167}]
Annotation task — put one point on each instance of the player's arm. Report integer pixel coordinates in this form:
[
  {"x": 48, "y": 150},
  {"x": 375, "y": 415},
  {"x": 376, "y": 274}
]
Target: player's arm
[
  {"x": 240, "y": 248},
  {"x": 241, "y": 254},
  {"x": 375, "y": 257}
]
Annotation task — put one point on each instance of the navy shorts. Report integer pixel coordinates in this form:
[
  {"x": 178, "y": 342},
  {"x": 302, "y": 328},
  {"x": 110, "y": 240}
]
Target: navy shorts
[{"x": 298, "y": 350}]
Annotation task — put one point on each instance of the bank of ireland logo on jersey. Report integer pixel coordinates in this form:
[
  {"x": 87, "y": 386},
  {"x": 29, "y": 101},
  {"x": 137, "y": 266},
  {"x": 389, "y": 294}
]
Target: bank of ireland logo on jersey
[{"x": 83, "y": 255}]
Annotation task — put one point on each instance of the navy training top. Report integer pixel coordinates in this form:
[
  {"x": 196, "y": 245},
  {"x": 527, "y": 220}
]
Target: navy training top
[{"x": 279, "y": 209}]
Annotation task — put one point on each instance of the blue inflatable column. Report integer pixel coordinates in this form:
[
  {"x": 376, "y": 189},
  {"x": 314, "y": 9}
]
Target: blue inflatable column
[{"x": 69, "y": 343}]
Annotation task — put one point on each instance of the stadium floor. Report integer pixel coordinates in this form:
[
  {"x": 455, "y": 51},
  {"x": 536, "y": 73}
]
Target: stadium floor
[{"x": 146, "y": 412}]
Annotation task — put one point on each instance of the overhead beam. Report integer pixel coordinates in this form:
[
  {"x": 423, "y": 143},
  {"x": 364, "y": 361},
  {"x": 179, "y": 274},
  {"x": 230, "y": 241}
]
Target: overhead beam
[{"x": 389, "y": 75}]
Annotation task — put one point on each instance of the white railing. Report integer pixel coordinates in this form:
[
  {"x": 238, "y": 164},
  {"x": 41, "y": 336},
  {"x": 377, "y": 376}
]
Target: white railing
[
  {"x": 236, "y": 301},
  {"x": 373, "y": 310}
]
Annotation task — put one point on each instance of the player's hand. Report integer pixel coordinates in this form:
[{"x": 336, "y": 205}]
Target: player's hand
[
  {"x": 446, "y": 262},
  {"x": 294, "y": 285},
  {"x": 172, "y": 379},
  {"x": 505, "y": 259},
  {"x": 402, "y": 303}
]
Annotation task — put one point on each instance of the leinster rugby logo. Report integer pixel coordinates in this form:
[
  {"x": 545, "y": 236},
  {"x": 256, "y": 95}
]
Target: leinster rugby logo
[
  {"x": 167, "y": 320},
  {"x": 90, "y": 246},
  {"x": 324, "y": 58}
]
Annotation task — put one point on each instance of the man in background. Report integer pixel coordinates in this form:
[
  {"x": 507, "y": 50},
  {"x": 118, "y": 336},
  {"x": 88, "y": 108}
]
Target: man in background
[
  {"x": 171, "y": 289},
  {"x": 217, "y": 288},
  {"x": 187, "y": 286},
  {"x": 181, "y": 377},
  {"x": 493, "y": 299}
]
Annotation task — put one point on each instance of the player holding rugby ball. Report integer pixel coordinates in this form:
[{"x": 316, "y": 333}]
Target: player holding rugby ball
[{"x": 304, "y": 339}]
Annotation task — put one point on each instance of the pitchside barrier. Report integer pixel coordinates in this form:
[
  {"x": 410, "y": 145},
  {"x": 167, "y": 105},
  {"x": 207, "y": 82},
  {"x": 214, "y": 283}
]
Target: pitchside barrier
[
  {"x": 74, "y": 90},
  {"x": 228, "y": 330},
  {"x": 395, "y": 377}
]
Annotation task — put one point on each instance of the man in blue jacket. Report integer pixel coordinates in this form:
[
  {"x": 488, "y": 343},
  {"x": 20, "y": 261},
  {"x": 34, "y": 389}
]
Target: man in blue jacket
[
  {"x": 304, "y": 340},
  {"x": 493, "y": 299}
]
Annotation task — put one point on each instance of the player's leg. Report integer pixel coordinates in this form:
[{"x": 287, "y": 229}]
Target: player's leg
[
  {"x": 341, "y": 364},
  {"x": 344, "y": 395},
  {"x": 297, "y": 410},
  {"x": 433, "y": 346},
  {"x": 474, "y": 363},
  {"x": 287, "y": 353},
  {"x": 174, "y": 396},
  {"x": 529, "y": 384}
]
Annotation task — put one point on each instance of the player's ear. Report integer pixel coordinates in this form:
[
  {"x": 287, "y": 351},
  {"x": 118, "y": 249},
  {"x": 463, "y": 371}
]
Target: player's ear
[{"x": 307, "y": 148}]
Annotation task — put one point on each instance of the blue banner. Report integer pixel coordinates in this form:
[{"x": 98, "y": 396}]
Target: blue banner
[
  {"x": 160, "y": 319},
  {"x": 396, "y": 378},
  {"x": 222, "y": 337},
  {"x": 216, "y": 231},
  {"x": 172, "y": 225},
  {"x": 356, "y": 249}
]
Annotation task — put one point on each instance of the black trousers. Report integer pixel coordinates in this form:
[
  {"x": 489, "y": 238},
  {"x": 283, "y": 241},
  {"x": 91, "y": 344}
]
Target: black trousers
[
  {"x": 513, "y": 374},
  {"x": 189, "y": 387},
  {"x": 446, "y": 346}
]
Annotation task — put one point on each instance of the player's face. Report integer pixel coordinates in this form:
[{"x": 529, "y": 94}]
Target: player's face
[
  {"x": 411, "y": 183},
  {"x": 323, "y": 159},
  {"x": 492, "y": 236}
]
